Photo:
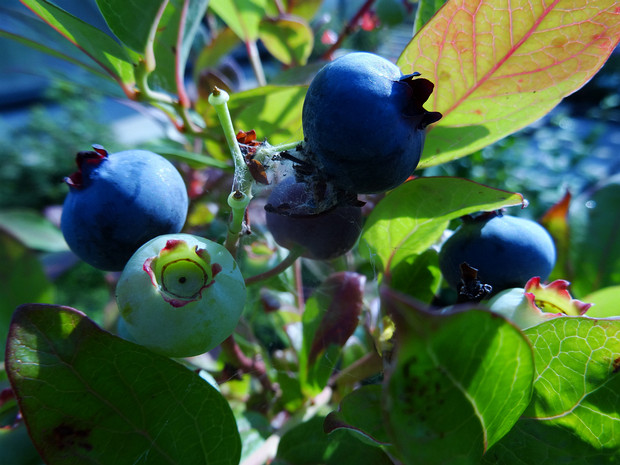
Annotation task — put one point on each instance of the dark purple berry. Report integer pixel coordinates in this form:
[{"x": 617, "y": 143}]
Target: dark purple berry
[{"x": 294, "y": 220}]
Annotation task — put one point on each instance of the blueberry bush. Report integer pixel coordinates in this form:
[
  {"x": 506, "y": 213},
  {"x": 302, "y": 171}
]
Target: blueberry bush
[{"x": 274, "y": 267}]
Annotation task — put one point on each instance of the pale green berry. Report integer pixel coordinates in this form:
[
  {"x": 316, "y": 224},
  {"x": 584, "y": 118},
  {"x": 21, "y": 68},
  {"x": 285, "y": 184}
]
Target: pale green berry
[{"x": 181, "y": 295}]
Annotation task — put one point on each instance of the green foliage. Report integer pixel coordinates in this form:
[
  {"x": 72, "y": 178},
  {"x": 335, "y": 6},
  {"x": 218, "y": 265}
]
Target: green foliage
[
  {"x": 425, "y": 207},
  {"x": 22, "y": 279},
  {"x": 132, "y": 402},
  {"x": 37, "y": 155},
  {"x": 307, "y": 444},
  {"x": 359, "y": 360},
  {"x": 436, "y": 380},
  {"x": 573, "y": 414},
  {"x": 99, "y": 46},
  {"x": 594, "y": 218}
]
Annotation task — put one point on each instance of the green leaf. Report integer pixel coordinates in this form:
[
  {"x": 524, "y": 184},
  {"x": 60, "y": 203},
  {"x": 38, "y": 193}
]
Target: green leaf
[
  {"x": 131, "y": 21},
  {"x": 460, "y": 382},
  {"x": 308, "y": 444},
  {"x": 577, "y": 382},
  {"x": 34, "y": 33},
  {"x": 90, "y": 397},
  {"x": 273, "y": 112},
  {"x": 425, "y": 11},
  {"x": 392, "y": 12},
  {"x": 606, "y": 302},
  {"x": 497, "y": 70},
  {"x": 220, "y": 46},
  {"x": 534, "y": 442},
  {"x": 193, "y": 159},
  {"x": 32, "y": 230},
  {"x": 170, "y": 59},
  {"x": 413, "y": 216},
  {"x": 289, "y": 39},
  {"x": 574, "y": 416},
  {"x": 594, "y": 219},
  {"x": 22, "y": 279},
  {"x": 306, "y": 9},
  {"x": 418, "y": 276},
  {"x": 330, "y": 317},
  {"x": 360, "y": 413},
  {"x": 99, "y": 46},
  {"x": 242, "y": 16}
]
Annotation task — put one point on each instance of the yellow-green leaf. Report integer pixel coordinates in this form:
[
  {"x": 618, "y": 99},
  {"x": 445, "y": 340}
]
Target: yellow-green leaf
[
  {"x": 288, "y": 38},
  {"x": 499, "y": 66}
]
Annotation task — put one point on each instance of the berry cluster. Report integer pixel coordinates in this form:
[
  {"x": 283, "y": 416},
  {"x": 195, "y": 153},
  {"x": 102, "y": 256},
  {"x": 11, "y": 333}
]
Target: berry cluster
[
  {"x": 179, "y": 294},
  {"x": 364, "y": 128}
]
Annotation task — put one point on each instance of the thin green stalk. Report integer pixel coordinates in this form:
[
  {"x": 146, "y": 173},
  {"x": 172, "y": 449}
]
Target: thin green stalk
[
  {"x": 267, "y": 151},
  {"x": 146, "y": 93},
  {"x": 289, "y": 260},
  {"x": 149, "y": 53},
  {"x": 241, "y": 193},
  {"x": 257, "y": 64}
]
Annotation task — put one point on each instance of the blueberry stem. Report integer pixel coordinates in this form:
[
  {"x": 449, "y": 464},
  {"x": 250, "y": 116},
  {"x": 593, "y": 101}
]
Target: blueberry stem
[
  {"x": 274, "y": 149},
  {"x": 241, "y": 192},
  {"x": 238, "y": 202}
]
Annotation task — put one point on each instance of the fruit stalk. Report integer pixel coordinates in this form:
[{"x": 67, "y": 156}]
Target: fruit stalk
[{"x": 241, "y": 193}]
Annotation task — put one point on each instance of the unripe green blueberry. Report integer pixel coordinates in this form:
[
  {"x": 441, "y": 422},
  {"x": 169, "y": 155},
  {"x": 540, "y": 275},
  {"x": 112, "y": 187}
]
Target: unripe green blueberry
[{"x": 181, "y": 295}]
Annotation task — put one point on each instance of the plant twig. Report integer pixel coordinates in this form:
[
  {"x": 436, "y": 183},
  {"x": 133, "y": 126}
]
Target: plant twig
[
  {"x": 247, "y": 365},
  {"x": 241, "y": 192},
  {"x": 289, "y": 260},
  {"x": 178, "y": 62},
  {"x": 348, "y": 29},
  {"x": 299, "y": 285},
  {"x": 257, "y": 65},
  {"x": 149, "y": 52}
]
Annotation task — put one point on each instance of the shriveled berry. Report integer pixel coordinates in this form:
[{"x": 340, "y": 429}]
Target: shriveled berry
[{"x": 293, "y": 220}]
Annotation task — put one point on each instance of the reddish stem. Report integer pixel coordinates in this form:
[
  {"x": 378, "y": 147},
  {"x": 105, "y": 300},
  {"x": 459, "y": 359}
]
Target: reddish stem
[
  {"x": 348, "y": 29},
  {"x": 280, "y": 7},
  {"x": 183, "y": 98},
  {"x": 247, "y": 365}
]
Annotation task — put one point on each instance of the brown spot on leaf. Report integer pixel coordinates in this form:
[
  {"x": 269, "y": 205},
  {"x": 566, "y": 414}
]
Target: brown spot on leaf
[{"x": 67, "y": 436}]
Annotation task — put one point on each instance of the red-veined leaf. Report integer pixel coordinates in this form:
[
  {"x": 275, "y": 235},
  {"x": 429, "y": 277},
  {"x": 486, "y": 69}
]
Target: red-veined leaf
[{"x": 498, "y": 67}]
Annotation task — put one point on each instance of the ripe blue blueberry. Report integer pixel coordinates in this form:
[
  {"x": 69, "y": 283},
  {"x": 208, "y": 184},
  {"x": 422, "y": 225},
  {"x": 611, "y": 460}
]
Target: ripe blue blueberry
[
  {"x": 119, "y": 201},
  {"x": 506, "y": 250},
  {"x": 364, "y": 123},
  {"x": 293, "y": 220}
]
